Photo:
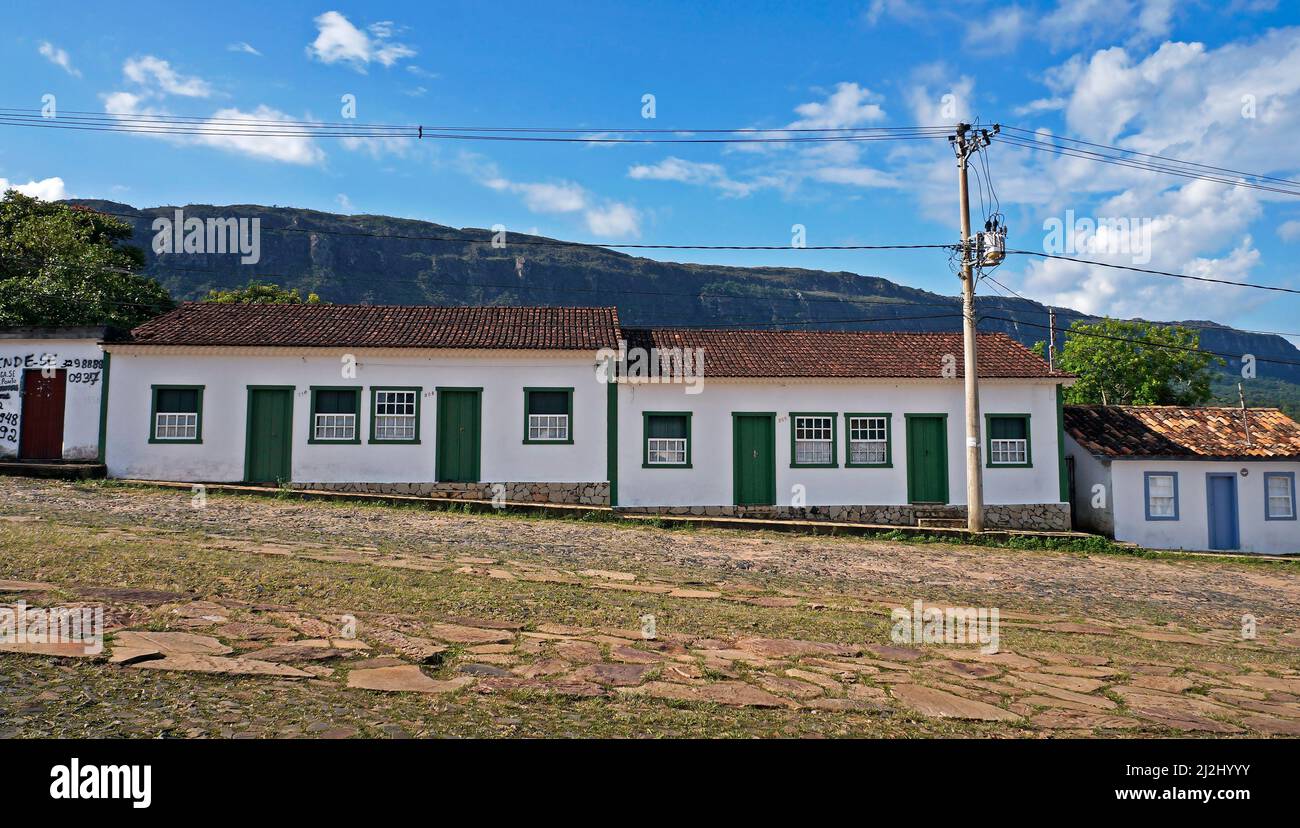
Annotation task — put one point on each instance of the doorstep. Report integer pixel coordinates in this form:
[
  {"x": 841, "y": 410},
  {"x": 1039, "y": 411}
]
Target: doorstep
[{"x": 56, "y": 469}]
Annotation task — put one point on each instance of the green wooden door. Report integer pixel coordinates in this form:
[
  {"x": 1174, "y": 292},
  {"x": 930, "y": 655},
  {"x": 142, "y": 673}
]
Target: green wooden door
[
  {"x": 459, "y": 412},
  {"x": 927, "y": 459},
  {"x": 269, "y": 449},
  {"x": 754, "y": 457}
]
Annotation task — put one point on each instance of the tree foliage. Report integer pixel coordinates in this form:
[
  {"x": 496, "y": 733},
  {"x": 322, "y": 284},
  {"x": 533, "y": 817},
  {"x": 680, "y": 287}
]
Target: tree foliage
[
  {"x": 63, "y": 265},
  {"x": 1135, "y": 363},
  {"x": 261, "y": 293}
]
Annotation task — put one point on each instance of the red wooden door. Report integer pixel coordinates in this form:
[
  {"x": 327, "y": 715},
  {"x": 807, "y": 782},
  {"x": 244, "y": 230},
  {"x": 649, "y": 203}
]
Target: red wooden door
[{"x": 42, "y": 420}]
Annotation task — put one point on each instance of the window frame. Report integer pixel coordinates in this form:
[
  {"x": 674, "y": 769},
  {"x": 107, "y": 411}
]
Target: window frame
[
  {"x": 154, "y": 412},
  {"x": 311, "y": 416},
  {"x": 417, "y": 390},
  {"x": 528, "y": 392},
  {"x": 988, "y": 441},
  {"x": 849, "y": 417},
  {"x": 645, "y": 439},
  {"x": 1146, "y": 494},
  {"x": 1289, "y": 476},
  {"x": 835, "y": 441}
]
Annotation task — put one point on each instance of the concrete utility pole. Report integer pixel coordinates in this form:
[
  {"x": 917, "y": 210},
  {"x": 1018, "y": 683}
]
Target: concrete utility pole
[{"x": 965, "y": 143}]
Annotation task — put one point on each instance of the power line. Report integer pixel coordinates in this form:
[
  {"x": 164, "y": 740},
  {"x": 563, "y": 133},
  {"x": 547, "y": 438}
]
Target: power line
[
  {"x": 1157, "y": 157},
  {"x": 1277, "y": 288},
  {"x": 268, "y": 128},
  {"x": 168, "y": 118},
  {"x": 1140, "y": 165}
]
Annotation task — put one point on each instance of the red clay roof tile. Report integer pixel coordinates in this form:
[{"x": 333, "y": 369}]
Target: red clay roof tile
[
  {"x": 1176, "y": 431},
  {"x": 841, "y": 354},
  {"x": 383, "y": 326}
]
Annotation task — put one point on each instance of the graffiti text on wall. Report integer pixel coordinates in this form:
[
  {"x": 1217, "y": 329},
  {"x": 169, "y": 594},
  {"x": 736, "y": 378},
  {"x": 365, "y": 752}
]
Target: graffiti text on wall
[{"x": 80, "y": 371}]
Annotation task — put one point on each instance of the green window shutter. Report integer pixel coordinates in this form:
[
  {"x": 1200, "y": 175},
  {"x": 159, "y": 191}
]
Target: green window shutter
[
  {"x": 336, "y": 402},
  {"x": 666, "y": 426},
  {"x": 548, "y": 402},
  {"x": 178, "y": 400},
  {"x": 1008, "y": 428}
]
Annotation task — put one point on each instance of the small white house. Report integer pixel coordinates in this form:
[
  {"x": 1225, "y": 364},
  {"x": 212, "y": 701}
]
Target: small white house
[
  {"x": 564, "y": 405},
  {"x": 1167, "y": 477},
  {"x": 51, "y": 384},
  {"x": 840, "y": 425}
]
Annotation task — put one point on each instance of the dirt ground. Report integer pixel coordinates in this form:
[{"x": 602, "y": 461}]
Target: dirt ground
[{"x": 486, "y": 625}]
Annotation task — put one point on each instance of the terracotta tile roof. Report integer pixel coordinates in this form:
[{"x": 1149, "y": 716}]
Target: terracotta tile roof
[
  {"x": 1174, "y": 431},
  {"x": 383, "y": 326},
  {"x": 840, "y": 354}
]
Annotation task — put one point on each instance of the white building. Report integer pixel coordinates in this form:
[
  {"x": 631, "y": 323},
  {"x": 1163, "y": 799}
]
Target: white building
[
  {"x": 51, "y": 381},
  {"x": 534, "y": 404},
  {"x": 1167, "y": 477}
]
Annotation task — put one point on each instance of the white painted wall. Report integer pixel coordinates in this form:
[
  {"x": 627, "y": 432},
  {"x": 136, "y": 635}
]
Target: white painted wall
[
  {"x": 220, "y": 457},
  {"x": 84, "y": 362},
  {"x": 1191, "y": 530},
  {"x": 709, "y": 481},
  {"x": 1094, "y": 509}
]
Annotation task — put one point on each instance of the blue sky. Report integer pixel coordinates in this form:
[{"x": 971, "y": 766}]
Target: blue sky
[{"x": 1159, "y": 76}]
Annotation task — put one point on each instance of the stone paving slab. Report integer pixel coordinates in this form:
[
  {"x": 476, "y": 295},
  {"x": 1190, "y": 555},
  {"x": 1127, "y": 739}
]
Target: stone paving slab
[{"x": 930, "y": 702}]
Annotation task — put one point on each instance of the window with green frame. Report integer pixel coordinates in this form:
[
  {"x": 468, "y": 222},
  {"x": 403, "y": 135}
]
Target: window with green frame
[
  {"x": 813, "y": 440},
  {"x": 667, "y": 440},
  {"x": 1007, "y": 440},
  {"x": 395, "y": 414},
  {"x": 869, "y": 440},
  {"x": 334, "y": 415},
  {"x": 176, "y": 414},
  {"x": 548, "y": 415}
]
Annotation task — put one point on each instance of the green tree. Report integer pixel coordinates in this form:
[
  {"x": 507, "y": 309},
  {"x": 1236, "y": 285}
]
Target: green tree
[
  {"x": 62, "y": 264},
  {"x": 261, "y": 293},
  {"x": 1135, "y": 363}
]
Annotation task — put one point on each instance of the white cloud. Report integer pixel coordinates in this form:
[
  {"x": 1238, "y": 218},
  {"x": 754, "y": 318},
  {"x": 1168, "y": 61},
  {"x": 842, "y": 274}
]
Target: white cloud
[
  {"x": 378, "y": 147},
  {"x": 242, "y": 46},
  {"x": 1040, "y": 105},
  {"x": 996, "y": 30},
  {"x": 540, "y": 197},
  {"x": 904, "y": 10},
  {"x": 47, "y": 189},
  {"x": 1076, "y": 22},
  {"x": 338, "y": 41},
  {"x": 157, "y": 74},
  {"x": 59, "y": 57},
  {"x": 605, "y": 218},
  {"x": 614, "y": 220},
  {"x": 855, "y": 176},
  {"x": 849, "y": 105},
  {"x": 288, "y": 149},
  {"x": 157, "y": 80},
  {"x": 1182, "y": 100},
  {"x": 345, "y": 203},
  {"x": 218, "y": 133},
  {"x": 1289, "y": 231},
  {"x": 691, "y": 172}
]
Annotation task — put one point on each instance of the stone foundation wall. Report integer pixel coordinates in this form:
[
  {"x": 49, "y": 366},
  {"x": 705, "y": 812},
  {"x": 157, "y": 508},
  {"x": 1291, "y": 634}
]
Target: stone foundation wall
[
  {"x": 574, "y": 494},
  {"x": 1043, "y": 517}
]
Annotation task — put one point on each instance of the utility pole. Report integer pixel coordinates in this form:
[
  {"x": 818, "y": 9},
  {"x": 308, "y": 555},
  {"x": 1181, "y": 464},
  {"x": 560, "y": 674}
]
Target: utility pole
[
  {"x": 1051, "y": 339},
  {"x": 965, "y": 143}
]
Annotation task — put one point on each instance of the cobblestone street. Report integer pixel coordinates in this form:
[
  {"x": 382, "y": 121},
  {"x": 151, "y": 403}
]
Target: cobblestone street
[{"x": 263, "y": 617}]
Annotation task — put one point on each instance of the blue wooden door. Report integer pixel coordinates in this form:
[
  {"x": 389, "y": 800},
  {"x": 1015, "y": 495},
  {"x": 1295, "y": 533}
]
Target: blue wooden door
[{"x": 1221, "y": 510}]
